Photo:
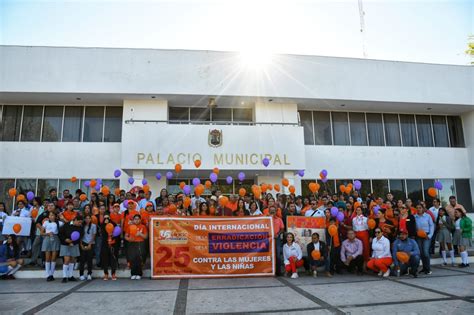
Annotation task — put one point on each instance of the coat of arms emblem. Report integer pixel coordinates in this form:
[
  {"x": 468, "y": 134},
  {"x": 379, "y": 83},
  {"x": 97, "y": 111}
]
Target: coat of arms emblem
[{"x": 215, "y": 138}]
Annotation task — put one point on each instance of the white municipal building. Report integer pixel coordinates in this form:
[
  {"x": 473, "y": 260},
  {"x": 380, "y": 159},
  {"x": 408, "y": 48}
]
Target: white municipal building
[{"x": 85, "y": 112}]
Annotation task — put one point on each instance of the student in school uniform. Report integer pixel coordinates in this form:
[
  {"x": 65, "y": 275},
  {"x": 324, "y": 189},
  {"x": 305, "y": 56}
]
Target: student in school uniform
[
  {"x": 86, "y": 247},
  {"x": 136, "y": 235},
  {"x": 110, "y": 249},
  {"x": 70, "y": 248},
  {"x": 10, "y": 261},
  {"x": 51, "y": 243}
]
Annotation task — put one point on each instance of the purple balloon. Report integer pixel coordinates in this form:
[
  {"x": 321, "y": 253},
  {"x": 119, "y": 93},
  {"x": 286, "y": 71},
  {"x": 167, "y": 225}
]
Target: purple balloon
[
  {"x": 241, "y": 176},
  {"x": 266, "y": 162},
  {"x": 158, "y": 176},
  {"x": 99, "y": 181},
  {"x": 75, "y": 236},
  {"x": 131, "y": 180},
  {"x": 87, "y": 183},
  {"x": 117, "y": 231},
  {"x": 196, "y": 181},
  {"x": 301, "y": 173},
  {"x": 340, "y": 216},
  {"x": 117, "y": 173},
  {"x": 125, "y": 203},
  {"x": 30, "y": 195},
  {"x": 229, "y": 180},
  {"x": 438, "y": 185},
  {"x": 325, "y": 173},
  {"x": 324, "y": 180},
  {"x": 97, "y": 187},
  {"x": 144, "y": 182},
  {"x": 376, "y": 210},
  {"x": 213, "y": 177},
  {"x": 187, "y": 189},
  {"x": 334, "y": 211},
  {"x": 169, "y": 175},
  {"x": 357, "y": 184}
]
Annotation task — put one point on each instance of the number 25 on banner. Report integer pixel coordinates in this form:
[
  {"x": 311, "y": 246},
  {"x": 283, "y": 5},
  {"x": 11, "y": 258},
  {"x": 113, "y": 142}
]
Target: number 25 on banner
[{"x": 181, "y": 258}]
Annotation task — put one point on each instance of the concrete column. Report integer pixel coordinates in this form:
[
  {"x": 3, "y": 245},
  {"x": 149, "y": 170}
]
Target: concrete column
[{"x": 468, "y": 128}]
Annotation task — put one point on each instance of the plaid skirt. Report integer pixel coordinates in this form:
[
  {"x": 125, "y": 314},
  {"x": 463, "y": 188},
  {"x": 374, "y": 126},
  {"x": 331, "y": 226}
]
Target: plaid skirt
[
  {"x": 50, "y": 244},
  {"x": 461, "y": 241},
  {"x": 72, "y": 251}
]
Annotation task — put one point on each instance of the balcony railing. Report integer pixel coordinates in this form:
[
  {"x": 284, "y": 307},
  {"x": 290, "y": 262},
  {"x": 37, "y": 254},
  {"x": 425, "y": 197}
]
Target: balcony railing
[{"x": 195, "y": 122}]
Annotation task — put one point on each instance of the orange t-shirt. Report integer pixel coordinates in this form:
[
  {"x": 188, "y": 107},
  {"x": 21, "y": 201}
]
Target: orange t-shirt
[
  {"x": 116, "y": 218},
  {"x": 232, "y": 206},
  {"x": 129, "y": 218},
  {"x": 69, "y": 215},
  {"x": 140, "y": 228},
  {"x": 146, "y": 217}
]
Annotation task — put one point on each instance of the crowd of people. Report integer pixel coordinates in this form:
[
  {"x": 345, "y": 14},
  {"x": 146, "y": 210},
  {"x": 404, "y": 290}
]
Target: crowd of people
[{"x": 373, "y": 234}]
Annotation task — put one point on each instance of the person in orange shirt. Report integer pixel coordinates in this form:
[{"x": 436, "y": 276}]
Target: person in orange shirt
[
  {"x": 232, "y": 204},
  {"x": 116, "y": 216},
  {"x": 278, "y": 229},
  {"x": 147, "y": 213},
  {"x": 69, "y": 214},
  {"x": 136, "y": 235}
]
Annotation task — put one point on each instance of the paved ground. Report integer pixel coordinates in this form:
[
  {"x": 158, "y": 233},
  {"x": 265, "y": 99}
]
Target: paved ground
[{"x": 446, "y": 291}]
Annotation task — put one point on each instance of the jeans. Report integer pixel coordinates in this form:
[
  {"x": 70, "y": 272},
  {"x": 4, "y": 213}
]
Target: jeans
[
  {"x": 319, "y": 263},
  {"x": 97, "y": 248},
  {"x": 413, "y": 263},
  {"x": 36, "y": 248},
  {"x": 424, "y": 245}
]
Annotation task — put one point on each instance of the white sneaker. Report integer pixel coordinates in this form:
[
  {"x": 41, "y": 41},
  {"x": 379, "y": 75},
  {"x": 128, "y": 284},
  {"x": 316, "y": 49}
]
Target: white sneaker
[
  {"x": 294, "y": 275},
  {"x": 82, "y": 278},
  {"x": 387, "y": 273},
  {"x": 133, "y": 277},
  {"x": 380, "y": 273},
  {"x": 137, "y": 277},
  {"x": 89, "y": 277},
  {"x": 315, "y": 274}
]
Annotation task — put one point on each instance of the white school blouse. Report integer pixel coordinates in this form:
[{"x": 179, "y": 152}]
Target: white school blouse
[
  {"x": 293, "y": 250},
  {"x": 381, "y": 247}
]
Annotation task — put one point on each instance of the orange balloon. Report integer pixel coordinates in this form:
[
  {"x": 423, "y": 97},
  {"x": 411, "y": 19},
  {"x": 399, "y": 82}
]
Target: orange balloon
[
  {"x": 348, "y": 190},
  {"x": 421, "y": 234},
  {"x": 332, "y": 229},
  {"x": 277, "y": 187},
  {"x": 146, "y": 188},
  {"x": 223, "y": 201},
  {"x": 105, "y": 190},
  {"x": 34, "y": 213},
  {"x": 132, "y": 230},
  {"x": 95, "y": 210},
  {"x": 21, "y": 197},
  {"x": 269, "y": 186},
  {"x": 117, "y": 191},
  {"x": 215, "y": 170},
  {"x": 403, "y": 257},
  {"x": 285, "y": 182},
  {"x": 73, "y": 179},
  {"x": 208, "y": 184},
  {"x": 83, "y": 197},
  {"x": 94, "y": 219},
  {"x": 342, "y": 188},
  {"x": 242, "y": 192},
  {"x": 109, "y": 228},
  {"x": 292, "y": 189},
  {"x": 178, "y": 168},
  {"x": 197, "y": 163},
  {"x": 199, "y": 190},
  {"x": 264, "y": 187},
  {"x": 312, "y": 187},
  {"x": 187, "y": 202},
  {"x": 266, "y": 211},
  {"x": 12, "y": 192},
  {"x": 172, "y": 208},
  {"x": 316, "y": 254},
  {"x": 93, "y": 182},
  {"x": 258, "y": 194},
  {"x": 432, "y": 192},
  {"x": 17, "y": 228},
  {"x": 181, "y": 185},
  {"x": 371, "y": 223}
]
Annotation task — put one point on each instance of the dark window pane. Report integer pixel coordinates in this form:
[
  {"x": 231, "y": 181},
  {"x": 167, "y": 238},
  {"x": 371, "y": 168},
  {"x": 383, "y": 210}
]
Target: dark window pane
[
  {"x": 414, "y": 190},
  {"x": 307, "y": 123},
  {"x": 425, "y": 134},
  {"x": 23, "y": 186},
  {"x": 392, "y": 130},
  {"x": 328, "y": 186},
  {"x": 200, "y": 114},
  {"x": 72, "y": 123},
  {"x": 53, "y": 120},
  {"x": 113, "y": 124},
  {"x": 463, "y": 194},
  {"x": 31, "y": 128},
  {"x": 456, "y": 135},
  {"x": 374, "y": 124},
  {"x": 365, "y": 188},
  {"x": 5, "y": 185},
  {"x": 222, "y": 114},
  {"x": 358, "y": 130},
  {"x": 243, "y": 114},
  {"x": 407, "y": 124},
  {"x": 447, "y": 191},
  {"x": 340, "y": 128},
  {"x": 11, "y": 122},
  {"x": 322, "y": 128},
  {"x": 427, "y": 183},
  {"x": 397, "y": 187},
  {"x": 440, "y": 131},
  {"x": 93, "y": 124},
  {"x": 44, "y": 185},
  {"x": 178, "y": 113},
  {"x": 67, "y": 184},
  {"x": 380, "y": 187}
]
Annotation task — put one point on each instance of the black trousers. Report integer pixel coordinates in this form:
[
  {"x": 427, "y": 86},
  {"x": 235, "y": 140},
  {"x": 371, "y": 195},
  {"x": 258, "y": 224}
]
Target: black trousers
[
  {"x": 86, "y": 257},
  {"x": 135, "y": 251},
  {"x": 335, "y": 259},
  {"x": 109, "y": 257},
  {"x": 356, "y": 263}
]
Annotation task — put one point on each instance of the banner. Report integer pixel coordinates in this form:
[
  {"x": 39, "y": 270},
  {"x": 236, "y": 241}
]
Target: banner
[
  {"x": 190, "y": 247},
  {"x": 10, "y": 221},
  {"x": 304, "y": 227}
]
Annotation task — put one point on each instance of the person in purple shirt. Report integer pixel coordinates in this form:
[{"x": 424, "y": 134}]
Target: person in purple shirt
[{"x": 351, "y": 253}]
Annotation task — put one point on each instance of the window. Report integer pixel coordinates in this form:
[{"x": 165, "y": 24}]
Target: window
[
  {"x": 11, "y": 122},
  {"x": 44, "y": 185},
  {"x": 463, "y": 192},
  {"x": 242, "y": 114},
  {"x": 5, "y": 185},
  {"x": 306, "y": 119},
  {"x": 456, "y": 136},
  {"x": 222, "y": 114},
  {"x": 365, "y": 188},
  {"x": 427, "y": 183},
  {"x": 72, "y": 130},
  {"x": 447, "y": 191},
  {"x": 322, "y": 128},
  {"x": 408, "y": 129},
  {"x": 52, "y": 124},
  {"x": 392, "y": 130},
  {"x": 112, "y": 184},
  {"x": 374, "y": 124},
  {"x": 113, "y": 124},
  {"x": 358, "y": 129},
  {"x": 414, "y": 190},
  {"x": 329, "y": 186},
  {"x": 397, "y": 188},
  {"x": 340, "y": 127},
  {"x": 25, "y": 185},
  {"x": 425, "y": 133},
  {"x": 200, "y": 114},
  {"x": 67, "y": 184},
  {"x": 178, "y": 113},
  {"x": 440, "y": 131},
  {"x": 380, "y": 187},
  {"x": 31, "y": 127},
  {"x": 93, "y": 124}
]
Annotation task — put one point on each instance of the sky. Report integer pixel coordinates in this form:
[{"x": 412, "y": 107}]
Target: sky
[{"x": 416, "y": 30}]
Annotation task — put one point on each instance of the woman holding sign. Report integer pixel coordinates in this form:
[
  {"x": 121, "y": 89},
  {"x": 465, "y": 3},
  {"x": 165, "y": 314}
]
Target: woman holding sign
[
  {"x": 70, "y": 236},
  {"x": 292, "y": 255},
  {"x": 135, "y": 235}
]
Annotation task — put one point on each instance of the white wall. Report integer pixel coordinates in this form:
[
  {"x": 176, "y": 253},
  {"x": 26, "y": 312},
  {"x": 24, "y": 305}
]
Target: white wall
[
  {"x": 276, "y": 112},
  {"x": 147, "y": 71},
  {"x": 145, "y": 110},
  {"x": 363, "y": 162}
]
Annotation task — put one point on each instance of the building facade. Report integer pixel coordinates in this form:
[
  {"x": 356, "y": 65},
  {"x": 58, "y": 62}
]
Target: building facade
[{"x": 85, "y": 112}]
